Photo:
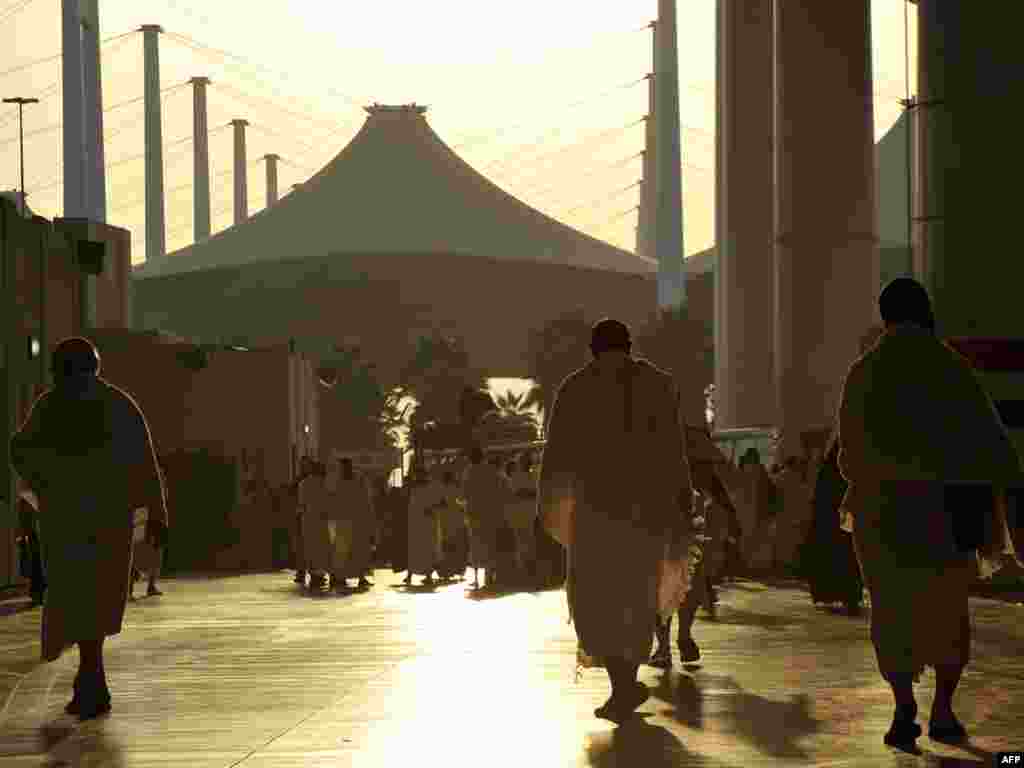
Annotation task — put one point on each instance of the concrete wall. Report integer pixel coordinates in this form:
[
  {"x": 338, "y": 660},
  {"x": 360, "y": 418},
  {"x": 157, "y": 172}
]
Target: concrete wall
[
  {"x": 42, "y": 285},
  {"x": 385, "y": 301},
  {"x": 243, "y": 400},
  {"x": 250, "y": 403},
  {"x": 150, "y": 369}
]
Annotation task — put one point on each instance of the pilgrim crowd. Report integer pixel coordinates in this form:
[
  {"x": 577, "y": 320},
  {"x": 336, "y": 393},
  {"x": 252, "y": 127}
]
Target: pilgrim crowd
[{"x": 631, "y": 510}]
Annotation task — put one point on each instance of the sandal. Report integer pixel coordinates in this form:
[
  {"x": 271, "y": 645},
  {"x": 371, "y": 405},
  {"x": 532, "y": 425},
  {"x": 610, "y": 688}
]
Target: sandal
[
  {"x": 661, "y": 659},
  {"x": 902, "y": 734},
  {"x": 688, "y": 651},
  {"x": 951, "y": 733}
]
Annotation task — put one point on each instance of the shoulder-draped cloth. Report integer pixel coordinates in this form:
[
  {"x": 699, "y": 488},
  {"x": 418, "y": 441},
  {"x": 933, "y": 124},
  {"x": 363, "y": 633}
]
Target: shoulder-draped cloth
[
  {"x": 615, "y": 491},
  {"x": 915, "y": 421},
  {"x": 86, "y": 452}
]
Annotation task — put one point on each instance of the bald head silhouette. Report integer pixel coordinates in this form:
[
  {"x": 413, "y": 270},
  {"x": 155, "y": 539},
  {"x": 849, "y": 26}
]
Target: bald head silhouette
[
  {"x": 609, "y": 334},
  {"x": 904, "y": 300},
  {"x": 75, "y": 358}
]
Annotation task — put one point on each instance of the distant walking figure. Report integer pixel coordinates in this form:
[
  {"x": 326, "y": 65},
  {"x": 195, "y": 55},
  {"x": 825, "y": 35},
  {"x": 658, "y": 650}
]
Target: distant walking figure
[
  {"x": 521, "y": 514},
  {"x": 86, "y": 452},
  {"x": 830, "y": 564},
  {"x": 354, "y": 496},
  {"x": 149, "y": 554},
  {"x": 485, "y": 494},
  {"x": 615, "y": 491},
  {"x": 926, "y": 456}
]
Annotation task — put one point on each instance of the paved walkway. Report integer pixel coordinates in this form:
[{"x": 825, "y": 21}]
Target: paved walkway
[{"x": 247, "y": 671}]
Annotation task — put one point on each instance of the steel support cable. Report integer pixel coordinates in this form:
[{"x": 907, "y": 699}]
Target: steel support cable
[
  {"x": 517, "y": 154},
  {"x": 251, "y": 100},
  {"x": 275, "y": 134},
  {"x": 13, "y": 10},
  {"x": 259, "y": 100},
  {"x": 484, "y": 138},
  {"x": 698, "y": 168},
  {"x": 326, "y": 148},
  {"x": 585, "y": 175},
  {"x": 234, "y": 57},
  {"x": 618, "y": 216},
  {"x": 43, "y": 95},
  {"x": 594, "y": 202},
  {"x": 296, "y": 166},
  {"x": 56, "y": 126},
  {"x": 180, "y": 222},
  {"x": 134, "y": 203},
  {"x": 215, "y": 177},
  {"x": 136, "y": 99},
  {"x": 132, "y": 123},
  {"x": 588, "y": 142},
  {"x": 115, "y": 132},
  {"x": 213, "y": 215},
  {"x": 123, "y": 160},
  {"x": 245, "y": 74},
  {"x": 56, "y": 56}
]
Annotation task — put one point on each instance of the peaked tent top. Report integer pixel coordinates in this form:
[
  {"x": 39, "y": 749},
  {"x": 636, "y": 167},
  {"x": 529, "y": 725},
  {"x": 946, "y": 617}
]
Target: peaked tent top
[{"x": 398, "y": 188}]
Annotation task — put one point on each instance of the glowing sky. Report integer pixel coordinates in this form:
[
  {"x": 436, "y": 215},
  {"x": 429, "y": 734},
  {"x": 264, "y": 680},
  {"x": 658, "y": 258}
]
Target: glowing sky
[{"x": 498, "y": 78}]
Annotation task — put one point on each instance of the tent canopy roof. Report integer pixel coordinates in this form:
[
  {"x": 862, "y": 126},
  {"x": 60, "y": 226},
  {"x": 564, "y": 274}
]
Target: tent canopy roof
[{"x": 398, "y": 188}]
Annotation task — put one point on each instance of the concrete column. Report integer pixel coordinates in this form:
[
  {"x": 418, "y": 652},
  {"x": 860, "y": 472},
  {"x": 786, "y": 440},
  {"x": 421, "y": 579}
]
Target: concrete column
[
  {"x": 241, "y": 173},
  {"x": 95, "y": 172},
  {"x": 668, "y": 224},
  {"x": 744, "y": 395},
  {"x": 971, "y": 80},
  {"x": 156, "y": 243},
  {"x": 826, "y": 246},
  {"x": 73, "y": 114},
  {"x": 271, "y": 178},
  {"x": 651, "y": 149},
  {"x": 643, "y": 210},
  {"x": 201, "y": 161},
  {"x": 938, "y": 156}
]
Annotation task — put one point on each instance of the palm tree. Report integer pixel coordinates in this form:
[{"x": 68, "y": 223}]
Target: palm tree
[
  {"x": 555, "y": 350},
  {"x": 364, "y": 412},
  {"x": 513, "y": 421},
  {"x": 438, "y": 377}
]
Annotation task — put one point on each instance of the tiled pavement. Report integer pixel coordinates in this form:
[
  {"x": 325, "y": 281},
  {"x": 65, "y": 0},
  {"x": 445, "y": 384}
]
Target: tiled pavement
[{"x": 248, "y": 671}]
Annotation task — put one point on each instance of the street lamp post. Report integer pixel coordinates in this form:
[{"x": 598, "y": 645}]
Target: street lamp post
[{"x": 21, "y": 102}]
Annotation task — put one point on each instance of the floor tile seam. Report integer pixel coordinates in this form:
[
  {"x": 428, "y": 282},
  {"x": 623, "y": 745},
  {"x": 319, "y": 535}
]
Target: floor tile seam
[{"x": 333, "y": 703}]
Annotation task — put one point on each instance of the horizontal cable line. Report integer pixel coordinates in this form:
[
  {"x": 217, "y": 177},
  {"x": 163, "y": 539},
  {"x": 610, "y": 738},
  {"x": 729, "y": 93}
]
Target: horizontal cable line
[
  {"x": 267, "y": 102},
  {"x": 617, "y": 217},
  {"x": 234, "y": 57},
  {"x": 12, "y": 114},
  {"x": 54, "y": 57},
  {"x": 123, "y": 160},
  {"x": 587, "y": 174},
  {"x": 601, "y": 200},
  {"x": 596, "y": 138},
  {"x": 275, "y": 134},
  {"x": 56, "y": 126},
  {"x": 141, "y": 200},
  {"x": 483, "y": 139}
]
